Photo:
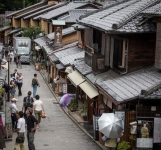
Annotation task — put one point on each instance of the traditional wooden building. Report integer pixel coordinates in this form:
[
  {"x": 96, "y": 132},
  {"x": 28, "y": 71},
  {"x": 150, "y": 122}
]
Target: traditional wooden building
[{"x": 120, "y": 47}]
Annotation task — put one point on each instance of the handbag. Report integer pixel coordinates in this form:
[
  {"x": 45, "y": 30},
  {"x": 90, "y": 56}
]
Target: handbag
[
  {"x": 43, "y": 115},
  {"x": 20, "y": 139}
]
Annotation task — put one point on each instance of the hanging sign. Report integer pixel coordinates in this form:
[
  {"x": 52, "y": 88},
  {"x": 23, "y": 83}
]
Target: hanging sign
[{"x": 65, "y": 87}]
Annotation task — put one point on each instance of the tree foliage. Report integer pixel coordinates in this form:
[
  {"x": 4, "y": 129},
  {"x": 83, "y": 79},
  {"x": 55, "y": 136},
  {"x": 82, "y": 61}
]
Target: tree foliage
[
  {"x": 32, "y": 32},
  {"x": 12, "y": 5}
]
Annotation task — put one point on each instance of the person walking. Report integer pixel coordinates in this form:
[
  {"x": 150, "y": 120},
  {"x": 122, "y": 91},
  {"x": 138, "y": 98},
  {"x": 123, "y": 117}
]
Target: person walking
[
  {"x": 12, "y": 89},
  {"x": 13, "y": 110},
  {"x": 10, "y": 54},
  {"x": 27, "y": 102},
  {"x": 31, "y": 128},
  {"x": 18, "y": 61},
  {"x": 38, "y": 109},
  {"x": 19, "y": 83},
  {"x": 35, "y": 83},
  {"x": 20, "y": 131}
]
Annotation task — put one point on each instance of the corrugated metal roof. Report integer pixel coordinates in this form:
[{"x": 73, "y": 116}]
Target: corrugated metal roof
[
  {"x": 64, "y": 32},
  {"x": 121, "y": 17},
  {"x": 38, "y": 13},
  {"x": 48, "y": 49},
  {"x": 34, "y": 10},
  {"x": 43, "y": 2},
  {"x": 59, "y": 66},
  {"x": 66, "y": 60},
  {"x": 63, "y": 9},
  {"x": 53, "y": 58},
  {"x": 128, "y": 87},
  {"x": 75, "y": 14}
]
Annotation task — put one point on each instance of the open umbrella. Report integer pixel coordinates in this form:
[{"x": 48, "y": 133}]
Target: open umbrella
[
  {"x": 110, "y": 125},
  {"x": 65, "y": 100}
]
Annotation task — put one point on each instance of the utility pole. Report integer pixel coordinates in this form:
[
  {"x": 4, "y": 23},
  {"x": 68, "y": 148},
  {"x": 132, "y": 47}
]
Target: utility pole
[{"x": 23, "y": 3}]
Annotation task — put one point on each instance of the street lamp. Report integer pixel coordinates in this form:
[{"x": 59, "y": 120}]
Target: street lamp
[{"x": 8, "y": 60}]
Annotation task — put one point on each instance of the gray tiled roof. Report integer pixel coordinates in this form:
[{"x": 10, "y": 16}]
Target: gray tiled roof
[
  {"x": 53, "y": 58},
  {"x": 34, "y": 10},
  {"x": 154, "y": 10},
  {"x": 82, "y": 67},
  {"x": 118, "y": 17},
  {"x": 5, "y": 28},
  {"x": 66, "y": 52},
  {"x": 69, "y": 58},
  {"x": 36, "y": 15},
  {"x": 129, "y": 86},
  {"x": 99, "y": 77},
  {"x": 40, "y": 3},
  {"x": 41, "y": 41},
  {"x": 63, "y": 9},
  {"x": 48, "y": 49},
  {"x": 155, "y": 95},
  {"x": 65, "y": 31},
  {"x": 14, "y": 31},
  {"x": 75, "y": 14}
]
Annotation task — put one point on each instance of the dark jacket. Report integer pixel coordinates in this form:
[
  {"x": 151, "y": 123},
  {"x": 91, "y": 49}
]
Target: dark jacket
[{"x": 31, "y": 120}]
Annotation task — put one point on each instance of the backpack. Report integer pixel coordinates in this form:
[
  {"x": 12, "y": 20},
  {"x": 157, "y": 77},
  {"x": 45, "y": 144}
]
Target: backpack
[
  {"x": 34, "y": 82},
  {"x": 28, "y": 102}
]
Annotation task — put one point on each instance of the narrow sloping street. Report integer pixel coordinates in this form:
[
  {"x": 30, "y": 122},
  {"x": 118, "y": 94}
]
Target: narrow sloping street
[{"x": 57, "y": 131}]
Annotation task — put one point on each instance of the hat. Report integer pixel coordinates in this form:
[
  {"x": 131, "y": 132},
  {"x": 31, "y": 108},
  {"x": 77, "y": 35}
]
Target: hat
[
  {"x": 30, "y": 109},
  {"x": 14, "y": 99}
]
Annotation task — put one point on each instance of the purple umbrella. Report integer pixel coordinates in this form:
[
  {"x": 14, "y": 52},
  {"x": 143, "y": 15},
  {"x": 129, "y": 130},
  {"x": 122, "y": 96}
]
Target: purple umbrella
[{"x": 65, "y": 100}]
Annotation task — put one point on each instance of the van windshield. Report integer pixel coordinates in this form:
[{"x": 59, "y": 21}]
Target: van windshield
[{"x": 23, "y": 51}]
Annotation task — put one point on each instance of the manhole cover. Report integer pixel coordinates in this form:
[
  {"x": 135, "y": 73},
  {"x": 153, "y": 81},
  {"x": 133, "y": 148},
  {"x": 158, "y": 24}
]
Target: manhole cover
[{"x": 46, "y": 145}]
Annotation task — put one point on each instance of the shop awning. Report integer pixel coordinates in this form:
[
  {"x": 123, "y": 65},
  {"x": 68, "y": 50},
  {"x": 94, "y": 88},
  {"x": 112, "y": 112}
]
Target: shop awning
[
  {"x": 90, "y": 90},
  {"x": 76, "y": 78},
  {"x": 37, "y": 48}
]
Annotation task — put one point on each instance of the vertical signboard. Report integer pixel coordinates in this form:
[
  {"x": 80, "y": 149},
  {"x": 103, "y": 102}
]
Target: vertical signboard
[{"x": 157, "y": 130}]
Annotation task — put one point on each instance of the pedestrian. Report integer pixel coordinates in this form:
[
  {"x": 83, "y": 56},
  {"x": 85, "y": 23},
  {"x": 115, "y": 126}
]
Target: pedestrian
[
  {"x": 19, "y": 83},
  {"x": 13, "y": 110},
  {"x": 6, "y": 52},
  {"x": 27, "y": 102},
  {"x": 35, "y": 83},
  {"x": 38, "y": 109},
  {"x": 2, "y": 134},
  {"x": 10, "y": 54},
  {"x": 31, "y": 128},
  {"x": 18, "y": 61},
  {"x": 12, "y": 89},
  {"x": 20, "y": 145}
]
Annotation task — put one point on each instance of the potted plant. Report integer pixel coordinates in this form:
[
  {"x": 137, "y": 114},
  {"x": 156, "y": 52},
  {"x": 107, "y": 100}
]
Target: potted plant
[
  {"x": 83, "y": 111},
  {"x": 123, "y": 145},
  {"x": 73, "y": 105}
]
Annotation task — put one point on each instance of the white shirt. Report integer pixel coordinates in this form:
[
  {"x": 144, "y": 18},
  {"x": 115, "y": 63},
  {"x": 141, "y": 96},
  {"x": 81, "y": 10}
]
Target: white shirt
[
  {"x": 11, "y": 54},
  {"x": 21, "y": 125},
  {"x": 38, "y": 104},
  {"x": 13, "y": 108},
  {"x": 20, "y": 79}
]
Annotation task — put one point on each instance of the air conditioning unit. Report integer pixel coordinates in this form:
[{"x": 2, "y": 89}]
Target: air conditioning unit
[
  {"x": 101, "y": 63},
  {"x": 95, "y": 47}
]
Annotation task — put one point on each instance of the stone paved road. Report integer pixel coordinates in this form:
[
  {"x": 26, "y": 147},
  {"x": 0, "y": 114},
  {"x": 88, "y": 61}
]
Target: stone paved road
[{"x": 57, "y": 131}]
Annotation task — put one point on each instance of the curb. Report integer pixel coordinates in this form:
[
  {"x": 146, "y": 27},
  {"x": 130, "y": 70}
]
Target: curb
[{"x": 83, "y": 129}]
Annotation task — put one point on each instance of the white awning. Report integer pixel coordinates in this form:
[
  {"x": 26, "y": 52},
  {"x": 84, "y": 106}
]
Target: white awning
[
  {"x": 75, "y": 77},
  {"x": 37, "y": 48},
  {"x": 58, "y": 22},
  {"x": 90, "y": 90}
]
